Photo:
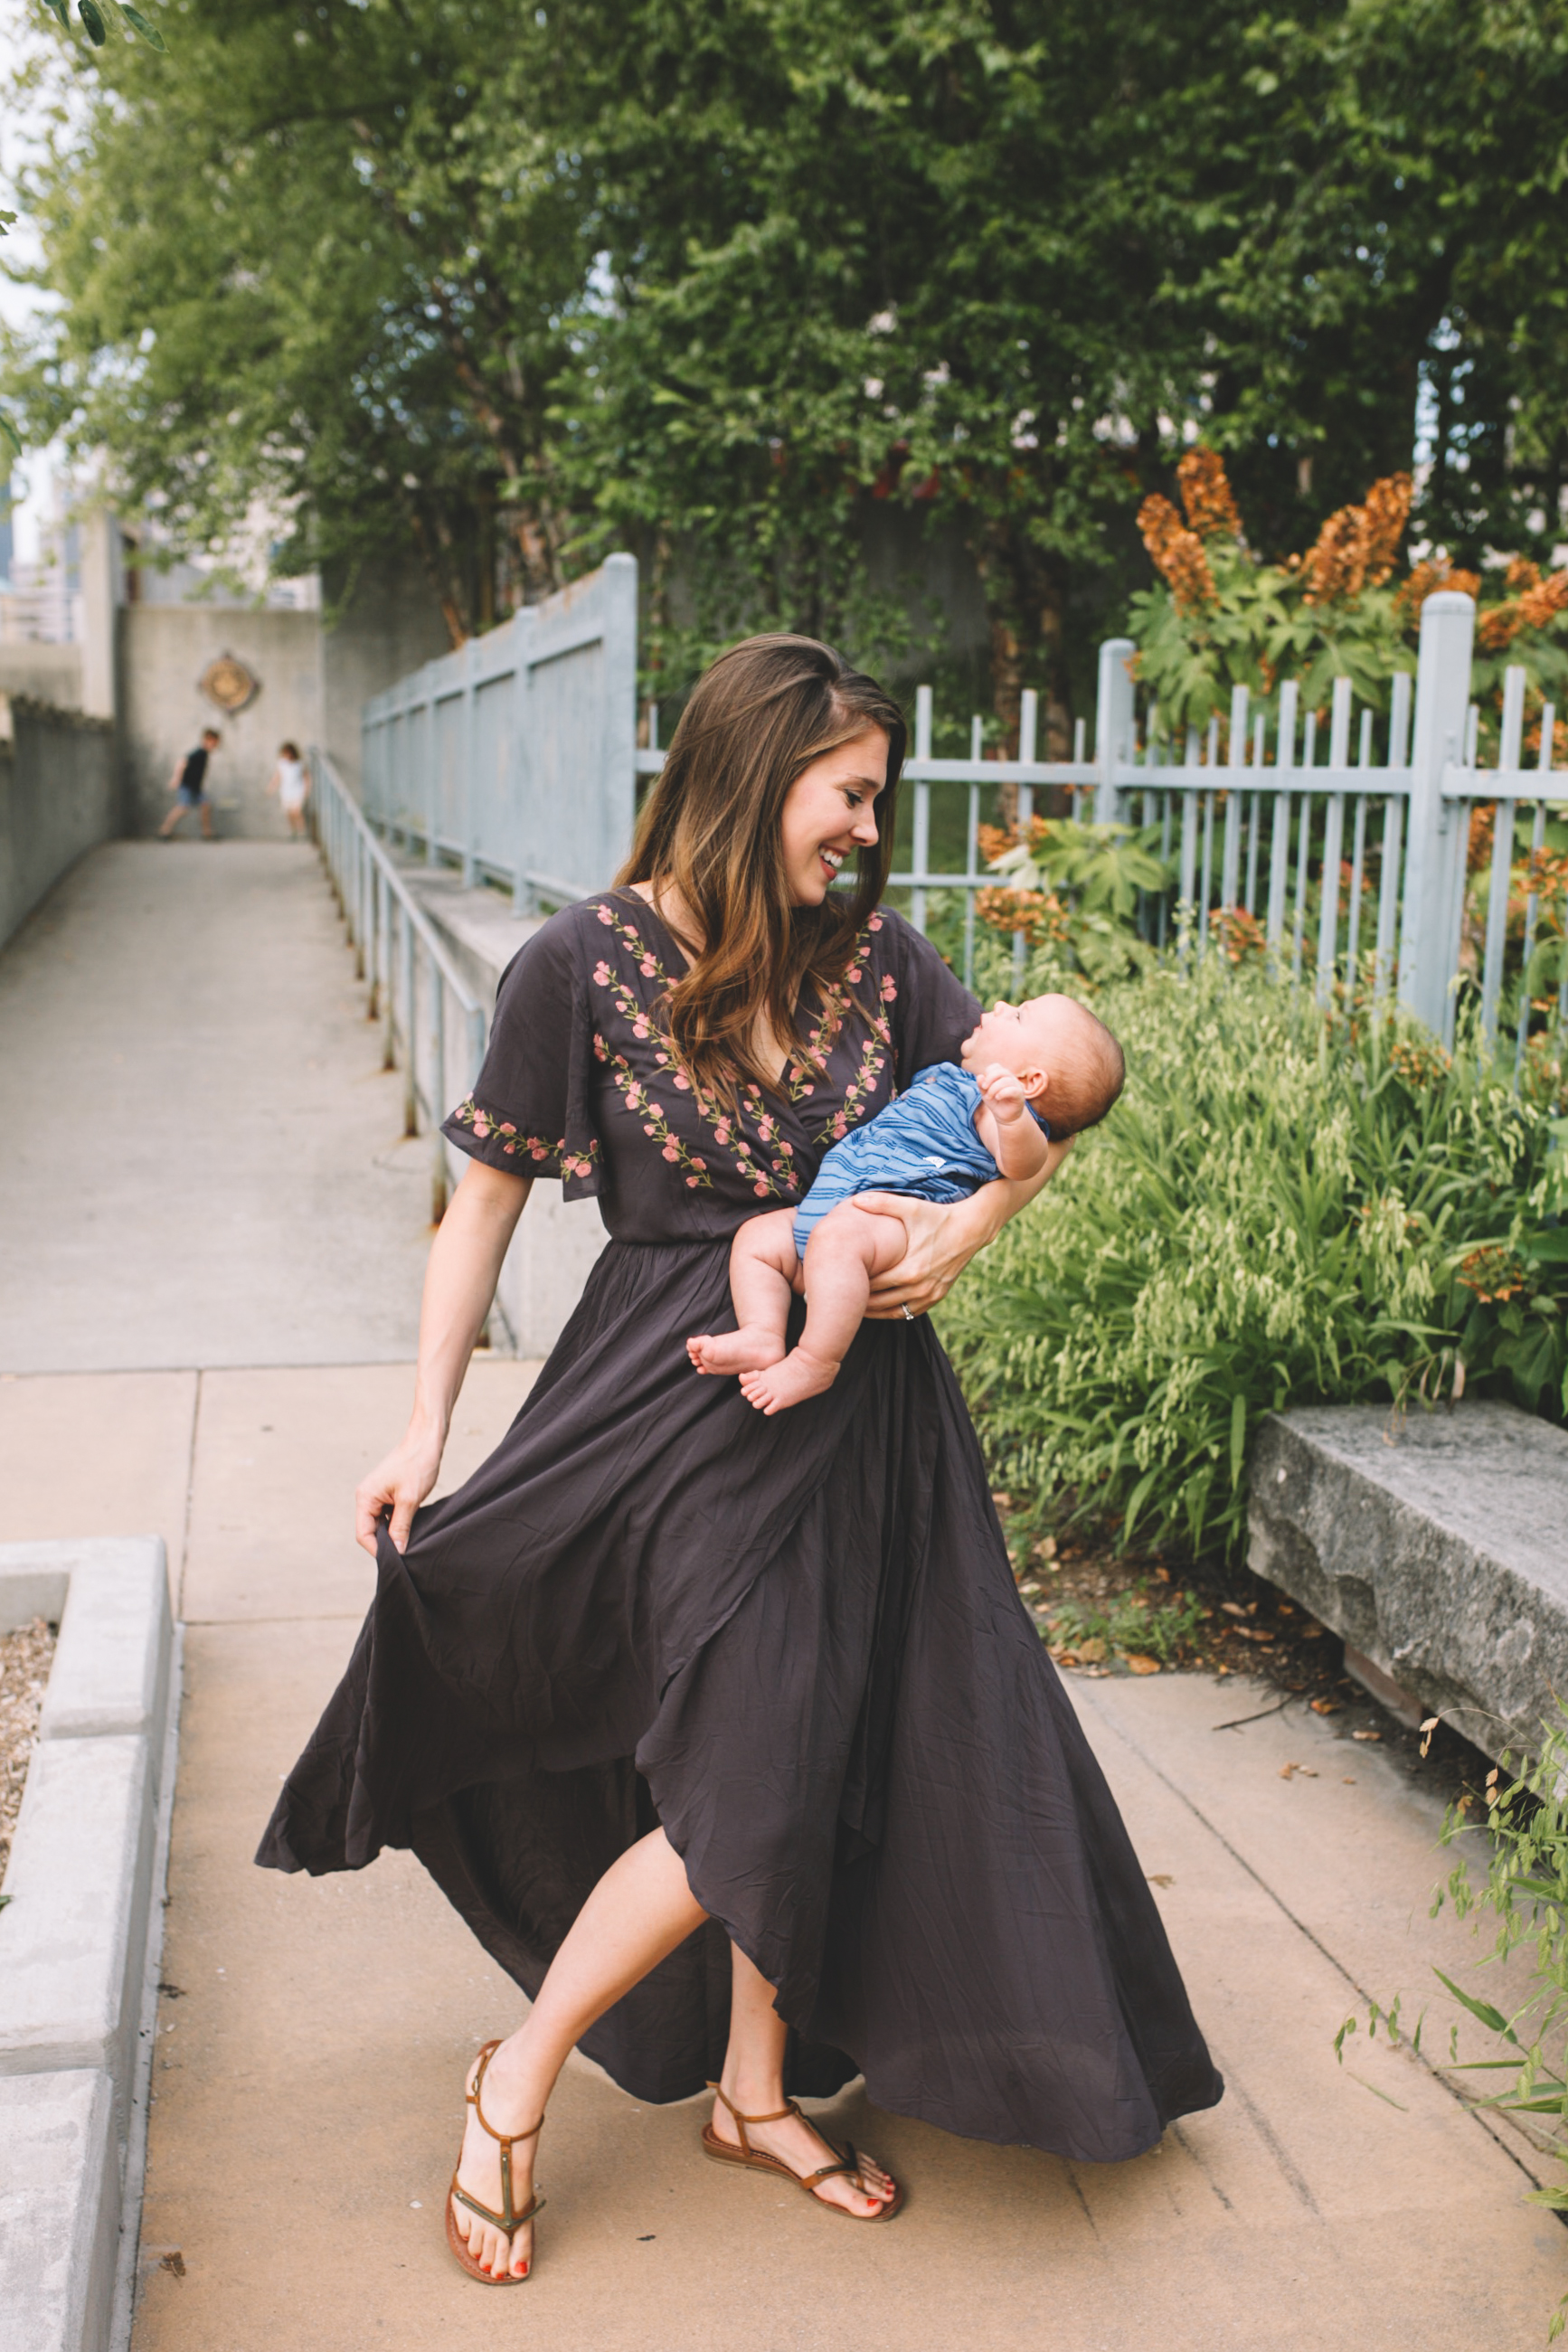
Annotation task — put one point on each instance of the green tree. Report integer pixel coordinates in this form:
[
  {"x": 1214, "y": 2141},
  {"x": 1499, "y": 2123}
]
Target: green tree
[
  {"x": 1397, "y": 272},
  {"x": 717, "y": 280},
  {"x": 292, "y": 274},
  {"x": 861, "y": 252}
]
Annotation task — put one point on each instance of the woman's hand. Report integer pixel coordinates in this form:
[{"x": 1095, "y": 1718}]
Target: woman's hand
[
  {"x": 941, "y": 1240},
  {"x": 459, "y": 1284},
  {"x": 397, "y": 1486}
]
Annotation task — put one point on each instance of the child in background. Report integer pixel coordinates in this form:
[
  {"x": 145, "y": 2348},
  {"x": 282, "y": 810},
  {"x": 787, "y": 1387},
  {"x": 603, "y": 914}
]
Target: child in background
[
  {"x": 291, "y": 783},
  {"x": 189, "y": 782},
  {"x": 1030, "y": 1072}
]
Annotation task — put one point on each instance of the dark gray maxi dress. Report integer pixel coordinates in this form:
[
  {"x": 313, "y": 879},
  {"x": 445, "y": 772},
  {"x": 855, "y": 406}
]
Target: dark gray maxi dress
[{"x": 795, "y": 1642}]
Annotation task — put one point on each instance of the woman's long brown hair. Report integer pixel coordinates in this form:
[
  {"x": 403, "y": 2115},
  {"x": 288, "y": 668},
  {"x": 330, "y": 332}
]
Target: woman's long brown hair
[{"x": 711, "y": 826}]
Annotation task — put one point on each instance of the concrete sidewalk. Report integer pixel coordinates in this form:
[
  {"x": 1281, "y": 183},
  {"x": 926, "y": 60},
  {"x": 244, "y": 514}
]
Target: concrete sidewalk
[
  {"x": 309, "y": 2072},
  {"x": 314, "y": 2034},
  {"x": 201, "y": 1158}
]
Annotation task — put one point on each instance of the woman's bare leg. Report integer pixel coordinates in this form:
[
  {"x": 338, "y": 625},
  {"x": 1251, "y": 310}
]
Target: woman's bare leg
[
  {"x": 753, "y": 2079},
  {"x": 765, "y": 1272},
  {"x": 640, "y": 1911},
  {"x": 849, "y": 1249}
]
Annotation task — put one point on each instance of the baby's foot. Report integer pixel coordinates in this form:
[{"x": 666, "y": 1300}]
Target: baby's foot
[
  {"x": 773, "y": 1387},
  {"x": 750, "y": 1350}
]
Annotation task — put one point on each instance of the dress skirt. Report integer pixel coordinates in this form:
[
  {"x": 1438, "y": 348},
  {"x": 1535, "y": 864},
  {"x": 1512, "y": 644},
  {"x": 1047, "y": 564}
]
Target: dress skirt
[{"x": 797, "y": 1644}]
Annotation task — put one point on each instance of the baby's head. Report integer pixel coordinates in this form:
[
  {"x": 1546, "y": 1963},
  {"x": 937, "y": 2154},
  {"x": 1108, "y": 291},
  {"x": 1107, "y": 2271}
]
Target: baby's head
[{"x": 1070, "y": 1063}]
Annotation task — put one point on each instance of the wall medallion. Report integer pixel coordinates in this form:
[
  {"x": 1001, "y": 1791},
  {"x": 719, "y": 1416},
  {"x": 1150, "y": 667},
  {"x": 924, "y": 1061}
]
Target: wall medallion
[{"x": 229, "y": 684}]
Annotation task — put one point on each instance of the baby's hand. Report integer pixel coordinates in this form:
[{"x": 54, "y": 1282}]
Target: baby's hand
[{"x": 1002, "y": 1093}]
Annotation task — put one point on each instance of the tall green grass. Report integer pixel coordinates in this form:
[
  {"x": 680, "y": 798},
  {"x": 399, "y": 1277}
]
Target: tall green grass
[{"x": 1284, "y": 1208}]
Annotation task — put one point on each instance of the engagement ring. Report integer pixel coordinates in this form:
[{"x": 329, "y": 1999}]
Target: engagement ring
[{"x": 908, "y": 1316}]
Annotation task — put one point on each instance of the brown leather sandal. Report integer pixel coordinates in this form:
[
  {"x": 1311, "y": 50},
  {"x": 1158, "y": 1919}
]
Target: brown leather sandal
[
  {"x": 506, "y": 2220},
  {"x": 722, "y": 2152}
]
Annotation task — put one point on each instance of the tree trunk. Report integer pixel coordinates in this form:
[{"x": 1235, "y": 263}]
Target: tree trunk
[{"x": 1024, "y": 599}]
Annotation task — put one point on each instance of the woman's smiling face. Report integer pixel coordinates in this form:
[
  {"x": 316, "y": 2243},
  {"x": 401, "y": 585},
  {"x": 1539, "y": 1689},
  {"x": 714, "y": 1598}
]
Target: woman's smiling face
[{"x": 829, "y": 812}]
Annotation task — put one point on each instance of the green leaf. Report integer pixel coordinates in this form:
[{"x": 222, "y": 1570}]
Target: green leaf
[
  {"x": 10, "y": 433},
  {"x": 59, "y": 9},
  {"x": 138, "y": 24},
  {"x": 92, "y": 19},
  {"x": 1238, "y": 1437}
]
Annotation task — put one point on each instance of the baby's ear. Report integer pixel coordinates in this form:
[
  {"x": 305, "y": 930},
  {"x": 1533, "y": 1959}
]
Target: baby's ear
[{"x": 1035, "y": 1084}]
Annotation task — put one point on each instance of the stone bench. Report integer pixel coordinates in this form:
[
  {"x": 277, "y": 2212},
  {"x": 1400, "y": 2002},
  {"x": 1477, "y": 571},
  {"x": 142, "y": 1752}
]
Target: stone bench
[
  {"x": 76, "y": 1931},
  {"x": 1437, "y": 1544}
]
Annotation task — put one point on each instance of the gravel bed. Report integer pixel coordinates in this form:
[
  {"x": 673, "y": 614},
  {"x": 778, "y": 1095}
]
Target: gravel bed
[{"x": 25, "y": 1656}]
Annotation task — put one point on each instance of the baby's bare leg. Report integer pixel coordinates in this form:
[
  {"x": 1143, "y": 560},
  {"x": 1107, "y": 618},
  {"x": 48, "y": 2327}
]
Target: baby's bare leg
[
  {"x": 763, "y": 1273},
  {"x": 849, "y": 1249}
]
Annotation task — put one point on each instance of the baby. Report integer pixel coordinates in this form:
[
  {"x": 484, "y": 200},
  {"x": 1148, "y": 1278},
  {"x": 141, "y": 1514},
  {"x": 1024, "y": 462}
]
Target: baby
[{"x": 1030, "y": 1072}]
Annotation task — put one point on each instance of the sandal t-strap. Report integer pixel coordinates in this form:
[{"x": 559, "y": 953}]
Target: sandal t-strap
[
  {"x": 758, "y": 2160},
  {"x": 509, "y": 2219}
]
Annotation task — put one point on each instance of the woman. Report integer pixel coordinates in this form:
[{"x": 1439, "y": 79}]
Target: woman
[{"x": 666, "y": 1665}]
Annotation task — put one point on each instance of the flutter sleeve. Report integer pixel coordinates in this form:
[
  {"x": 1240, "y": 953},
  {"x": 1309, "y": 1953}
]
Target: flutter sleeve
[
  {"x": 531, "y": 1111},
  {"x": 932, "y": 1011}
]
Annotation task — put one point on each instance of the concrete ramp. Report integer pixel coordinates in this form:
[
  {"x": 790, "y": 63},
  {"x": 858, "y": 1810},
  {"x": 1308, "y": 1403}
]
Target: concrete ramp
[{"x": 201, "y": 1160}]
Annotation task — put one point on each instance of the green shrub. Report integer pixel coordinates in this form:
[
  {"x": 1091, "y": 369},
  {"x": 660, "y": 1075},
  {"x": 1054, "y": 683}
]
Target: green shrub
[{"x": 1282, "y": 1209}]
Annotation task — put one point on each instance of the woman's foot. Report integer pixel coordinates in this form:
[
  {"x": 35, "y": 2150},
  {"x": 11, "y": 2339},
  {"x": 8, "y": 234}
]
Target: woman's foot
[
  {"x": 798, "y": 2144},
  {"x": 773, "y": 1387},
  {"x": 505, "y": 2097},
  {"x": 752, "y": 1349}
]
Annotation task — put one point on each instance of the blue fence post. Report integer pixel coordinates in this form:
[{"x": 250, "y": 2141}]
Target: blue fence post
[
  {"x": 467, "y": 752},
  {"x": 520, "y": 750},
  {"x": 1235, "y": 759},
  {"x": 425, "y": 683},
  {"x": 1113, "y": 725},
  {"x": 1428, "y": 942},
  {"x": 617, "y": 797}
]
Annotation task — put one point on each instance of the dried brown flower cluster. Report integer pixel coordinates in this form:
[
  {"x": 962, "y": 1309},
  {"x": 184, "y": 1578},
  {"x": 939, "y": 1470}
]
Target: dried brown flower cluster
[
  {"x": 1478, "y": 847},
  {"x": 1536, "y": 607},
  {"x": 994, "y": 841},
  {"x": 1356, "y": 546},
  {"x": 1038, "y": 914},
  {"x": 1177, "y": 555},
  {"x": 1424, "y": 581},
  {"x": 1542, "y": 603},
  {"x": 1546, "y": 873},
  {"x": 1239, "y": 937},
  {"x": 1207, "y": 494},
  {"x": 1493, "y": 1271},
  {"x": 1417, "y": 1062},
  {"x": 1559, "y": 739}
]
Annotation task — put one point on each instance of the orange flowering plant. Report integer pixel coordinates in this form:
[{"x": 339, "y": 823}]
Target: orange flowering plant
[
  {"x": 1074, "y": 888},
  {"x": 1221, "y": 617}
]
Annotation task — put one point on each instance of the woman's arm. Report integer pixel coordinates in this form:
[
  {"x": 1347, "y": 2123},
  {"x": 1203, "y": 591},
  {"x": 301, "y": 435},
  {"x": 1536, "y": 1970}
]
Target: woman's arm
[
  {"x": 460, "y": 1284},
  {"x": 942, "y": 1241}
]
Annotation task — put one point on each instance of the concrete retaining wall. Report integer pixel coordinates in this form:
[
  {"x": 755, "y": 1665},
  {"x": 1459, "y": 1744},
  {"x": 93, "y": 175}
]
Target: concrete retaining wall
[
  {"x": 79, "y": 1927},
  {"x": 43, "y": 673},
  {"x": 164, "y": 651},
  {"x": 59, "y": 797},
  {"x": 314, "y": 679}
]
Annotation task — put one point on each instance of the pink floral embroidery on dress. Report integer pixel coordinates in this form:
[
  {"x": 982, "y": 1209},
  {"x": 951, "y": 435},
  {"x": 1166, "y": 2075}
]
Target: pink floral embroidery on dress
[
  {"x": 728, "y": 1133},
  {"x": 634, "y": 1093},
  {"x": 517, "y": 1144},
  {"x": 766, "y": 1163}
]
